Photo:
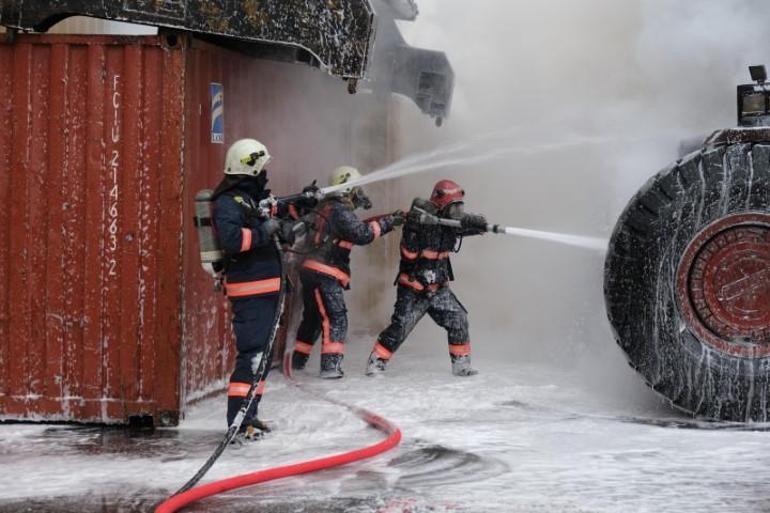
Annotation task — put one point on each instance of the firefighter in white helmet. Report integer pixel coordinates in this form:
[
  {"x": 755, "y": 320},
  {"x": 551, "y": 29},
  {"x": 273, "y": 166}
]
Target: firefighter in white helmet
[
  {"x": 325, "y": 274},
  {"x": 252, "y": 268}
]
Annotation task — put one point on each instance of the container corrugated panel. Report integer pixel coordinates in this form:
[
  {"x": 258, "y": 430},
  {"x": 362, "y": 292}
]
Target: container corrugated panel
[
  {"x": 105, "y": 312},
  {"x": 90, "y": 227}
]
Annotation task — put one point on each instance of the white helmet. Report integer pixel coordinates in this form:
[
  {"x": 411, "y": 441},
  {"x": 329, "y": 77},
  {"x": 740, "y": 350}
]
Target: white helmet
[
  {"x": 344, "y": 174},
  {"x": 246, "y": 157}
]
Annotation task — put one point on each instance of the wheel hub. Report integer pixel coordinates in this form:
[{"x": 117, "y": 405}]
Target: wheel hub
[{"x": 723, "y": 285}]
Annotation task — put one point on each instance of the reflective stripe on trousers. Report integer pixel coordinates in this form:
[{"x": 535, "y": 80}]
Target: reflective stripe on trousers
[{"x": 235, "y": 389}]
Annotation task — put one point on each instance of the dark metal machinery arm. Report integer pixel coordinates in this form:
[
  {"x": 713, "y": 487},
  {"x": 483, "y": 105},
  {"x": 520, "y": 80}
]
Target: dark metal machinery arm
[{"x": 335, "y": 35}]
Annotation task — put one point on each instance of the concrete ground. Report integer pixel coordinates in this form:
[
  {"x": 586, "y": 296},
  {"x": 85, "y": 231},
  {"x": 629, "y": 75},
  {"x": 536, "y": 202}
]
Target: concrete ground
[{"x": 515, "y": 438}]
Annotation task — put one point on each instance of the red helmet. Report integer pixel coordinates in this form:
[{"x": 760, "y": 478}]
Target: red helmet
[{"x": 446, "y": 192}]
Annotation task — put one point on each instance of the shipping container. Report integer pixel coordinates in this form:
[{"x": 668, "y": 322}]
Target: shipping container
[{"x": 105, "y": 313}]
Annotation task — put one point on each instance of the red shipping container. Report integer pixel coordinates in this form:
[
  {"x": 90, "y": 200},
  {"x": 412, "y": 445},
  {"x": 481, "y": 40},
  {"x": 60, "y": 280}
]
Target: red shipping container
[{"x": 105, "y": 312}]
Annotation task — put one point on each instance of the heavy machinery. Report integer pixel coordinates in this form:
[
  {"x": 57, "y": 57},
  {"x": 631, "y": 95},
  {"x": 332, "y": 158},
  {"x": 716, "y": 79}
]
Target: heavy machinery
[
  {"x": 687, "y": 275},
  {"x": 338, "y": 36}
]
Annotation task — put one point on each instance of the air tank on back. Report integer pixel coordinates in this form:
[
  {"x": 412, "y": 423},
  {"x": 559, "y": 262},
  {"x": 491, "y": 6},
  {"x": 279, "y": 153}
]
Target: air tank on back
[
  {"x": 687, "y": 275},
  {"x": 211, "y": 254}
]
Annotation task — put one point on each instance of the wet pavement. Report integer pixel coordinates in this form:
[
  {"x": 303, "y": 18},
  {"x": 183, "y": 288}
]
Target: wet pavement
[{"x": 513, "y": 439}]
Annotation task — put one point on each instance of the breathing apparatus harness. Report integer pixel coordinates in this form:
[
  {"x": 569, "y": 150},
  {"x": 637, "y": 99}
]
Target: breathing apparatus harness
[
  {"x": 317, "y": 222},
  {"x": 213, "y": 258},
  {"x": 425, "y": 213}
]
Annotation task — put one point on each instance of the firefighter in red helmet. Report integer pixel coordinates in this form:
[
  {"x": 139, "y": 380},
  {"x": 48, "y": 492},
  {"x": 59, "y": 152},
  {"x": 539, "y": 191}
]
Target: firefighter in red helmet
[{"x": 424, "y": 275}]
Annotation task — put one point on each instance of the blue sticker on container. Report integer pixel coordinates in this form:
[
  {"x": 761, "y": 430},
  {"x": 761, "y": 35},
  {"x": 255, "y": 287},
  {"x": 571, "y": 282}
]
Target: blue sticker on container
[{"x": 217, "y": 113}]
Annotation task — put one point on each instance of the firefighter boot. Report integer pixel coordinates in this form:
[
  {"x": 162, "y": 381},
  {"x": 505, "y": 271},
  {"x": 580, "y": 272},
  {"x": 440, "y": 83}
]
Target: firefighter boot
[
  {"x": 250, "y": 431},
  {"x": 376, "y": 366},
  {"x": 299, "y": 360},
  {"x": 331, "y": 366},
  {"x": 461, "y": 366}
]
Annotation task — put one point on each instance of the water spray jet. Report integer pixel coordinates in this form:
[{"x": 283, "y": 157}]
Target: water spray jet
[
  {"x": 481, "y": 150},
  {"x": 561, "y": 238}
]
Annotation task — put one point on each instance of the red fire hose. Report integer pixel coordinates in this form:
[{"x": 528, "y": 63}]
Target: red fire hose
[{"x": 177, "y": 502}]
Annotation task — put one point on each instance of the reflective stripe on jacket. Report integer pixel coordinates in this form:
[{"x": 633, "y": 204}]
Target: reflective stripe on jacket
[
  {"x": 252, "y": 262},
  {"x": 337, "y": 229}
]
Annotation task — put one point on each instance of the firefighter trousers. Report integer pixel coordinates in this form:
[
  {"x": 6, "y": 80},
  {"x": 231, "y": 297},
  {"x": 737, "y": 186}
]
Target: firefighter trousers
[
  {"x": 253, "y": 319},
  {"x": 411, "y": 306},
  {"x": 324, "y": 313}
]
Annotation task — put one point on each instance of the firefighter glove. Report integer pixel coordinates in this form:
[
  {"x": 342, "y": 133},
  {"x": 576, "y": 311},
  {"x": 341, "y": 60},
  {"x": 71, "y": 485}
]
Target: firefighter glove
[{"x": 474, "y": 222}]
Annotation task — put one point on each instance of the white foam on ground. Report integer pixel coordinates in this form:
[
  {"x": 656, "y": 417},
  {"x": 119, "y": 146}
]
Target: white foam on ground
[{"x": 526, "y": 439}]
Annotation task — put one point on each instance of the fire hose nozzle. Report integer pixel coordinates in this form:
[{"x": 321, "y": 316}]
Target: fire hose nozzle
[{"x": 432, "y": 220}]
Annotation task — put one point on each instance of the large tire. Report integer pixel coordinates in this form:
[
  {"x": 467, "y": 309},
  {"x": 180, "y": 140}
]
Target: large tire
[{"x": 687, "y": 280}]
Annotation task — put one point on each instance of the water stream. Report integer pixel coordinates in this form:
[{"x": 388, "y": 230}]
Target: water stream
[
  {"x": 480, "y": 150},
  {"x": 582, "y": 241}
]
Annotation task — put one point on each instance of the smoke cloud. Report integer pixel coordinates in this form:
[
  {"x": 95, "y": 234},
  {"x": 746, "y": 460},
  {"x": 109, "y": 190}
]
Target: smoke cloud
[{"x": 635, "y": 78}]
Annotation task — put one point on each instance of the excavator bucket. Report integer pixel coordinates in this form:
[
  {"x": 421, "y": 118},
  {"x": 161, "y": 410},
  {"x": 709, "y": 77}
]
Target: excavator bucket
[{"x": 334, "y": 35}]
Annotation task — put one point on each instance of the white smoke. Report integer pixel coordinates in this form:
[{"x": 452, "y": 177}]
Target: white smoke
[{"x": 642, "y": 75}]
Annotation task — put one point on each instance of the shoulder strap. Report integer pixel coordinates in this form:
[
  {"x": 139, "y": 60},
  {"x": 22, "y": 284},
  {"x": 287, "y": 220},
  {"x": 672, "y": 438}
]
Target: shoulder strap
[{"x": 320, "y": 229}]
